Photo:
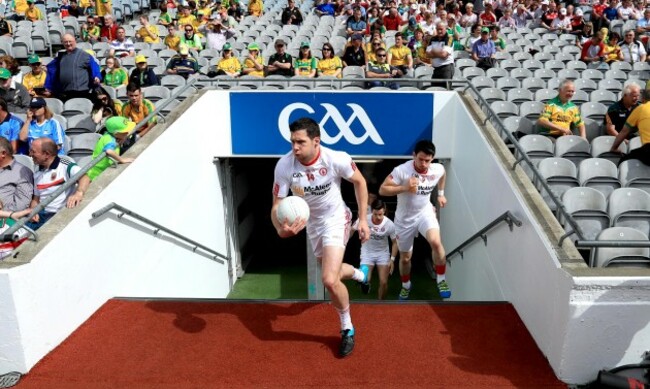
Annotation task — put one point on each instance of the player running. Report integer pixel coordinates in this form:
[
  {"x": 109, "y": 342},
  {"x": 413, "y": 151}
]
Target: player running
[
  {"x": 375, "y": 251},
  {"x": 314, "y": 172},
  {"x": 412, "y": 182}
]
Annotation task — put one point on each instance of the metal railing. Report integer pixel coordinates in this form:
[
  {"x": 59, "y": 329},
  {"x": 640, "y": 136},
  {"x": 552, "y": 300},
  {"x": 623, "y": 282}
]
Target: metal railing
[
  {"x": 506, "y": 217},
  {"x": 11, "y": 234},
  {"x": 215, "y": 255}
]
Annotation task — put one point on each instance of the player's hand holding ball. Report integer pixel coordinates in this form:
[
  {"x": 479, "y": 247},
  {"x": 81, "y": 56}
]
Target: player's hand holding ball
[{"x": 293, "y": 213}]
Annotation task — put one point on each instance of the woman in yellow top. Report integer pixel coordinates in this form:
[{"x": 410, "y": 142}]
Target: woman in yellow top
[
  {"x": 375, "y": 44},
  {"x": 254, "y": 64},
  {"x": 305, "y": 65},
  {"x": 612, "y": 49},
  {"x": 421, "y": 57},
  {"x": 148, "y": 32},
  {"x": 34, "y": 81},
  {"x": 228, "y": 65},
  {"x": 331, "y": 64},
  {"x": 255, "y": 7}
]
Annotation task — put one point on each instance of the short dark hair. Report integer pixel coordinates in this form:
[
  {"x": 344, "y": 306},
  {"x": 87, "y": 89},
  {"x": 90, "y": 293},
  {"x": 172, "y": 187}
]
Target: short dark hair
[
  {"x": 6, "y": 147},
  {"x": 132, "y": 87},
  {"x": 377, "y": 205},
  {"x": 425, "y": 146},
  {"x": 3, "y": 105},
  {"x": 308, "y": 124}
]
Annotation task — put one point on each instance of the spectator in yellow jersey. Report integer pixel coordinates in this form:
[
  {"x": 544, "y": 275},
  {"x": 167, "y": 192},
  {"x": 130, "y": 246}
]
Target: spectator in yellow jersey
[
  {"x": 560, "y": 115},
  {"x": 186, "y": 18},
  {"x": 254, "y": 63},
  {"x": 331, "y": 65},
  {"x": 114, "y": 75},
  {"x": 305, "y": 64},
  {"x": 20, "y": 6},
  {"x": 400, "y": 56},
  {"x": 103, "y": 8},
  {"x": 172, "y": 40},
  {"x": 32, "y": 13},
  {"x": 228, "y": 64},
  {"x": 138, "y": 108},
  {"x": 638, "y": 121},
  {"x": 371, "y": 49},
  {"x": 255, "y": 7},
  {"x": 148, "y": 33},
  {"x": 34, "y": 81},
  {"x": 90, "y": 31}
]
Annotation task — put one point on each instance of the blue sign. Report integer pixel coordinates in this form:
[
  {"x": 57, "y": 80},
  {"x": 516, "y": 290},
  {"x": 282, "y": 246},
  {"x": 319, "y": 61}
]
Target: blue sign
[{"x": 362, "y": 124}]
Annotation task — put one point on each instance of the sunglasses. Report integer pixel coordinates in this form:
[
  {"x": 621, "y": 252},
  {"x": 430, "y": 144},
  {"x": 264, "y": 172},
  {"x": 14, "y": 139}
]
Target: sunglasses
[
  {"x": 381, "y": 55},
  {"x": 326, "y": 49},
  {"x": 189, "y": 30}
]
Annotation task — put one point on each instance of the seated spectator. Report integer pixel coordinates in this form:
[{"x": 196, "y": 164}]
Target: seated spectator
[
  {"x": 235, "y": 12},
  {"x": 34, "y": 81},
  {"x": 507, "y": 20},
  {"x": 186, "y": 17},
  {"x": 584, "y": 35},
  {"x": 331, "y": 65},
  {"x": 217, "y": 33},
  {"x": 577, "y": 22},
  {"x": 469, "y": 18},
  {"x": 7, "y": 220},
  {"x": 416, "y": 41},
  {"x": 255, "y": 8},
  {"x": 254, "y": 62},
  {"x": 420, "y": 57},
  {"x": 305, "y": 64},
  {"x": 148, "y": 33},
  {"x": 549, "y": 15},
  {"x": 280, "y": 63},
  {"x": 33, "y": 13},
  {"x": 400, "y": 56},
  {"x": 73, "y": 73},
  {"x": 103, "y": 7},
  {"x": 408, "y": 32},
  {"x": 40, "y": 123},
  {"x": 190, "y": 39},
  {"x": 143, "y": 76},
  {"x": 183, "y": 63},
  {"x": 354, "y": 54},
  {"x": 16, "y": 180},
  {"x": 165, "y": 19},
  {"x": 377, "y": 27},
  {"x": 15, "y": 94},
  {"x": 487, "y": 17},
  {"x": 375, "y": 42},
  {"x": 109, "y": 29},
  {"x": 117, "y": 131},
  {"x": 52, "y": 173},
  {"x": 9, "y": 62},
  {"x": 483, "y": 51},
  {"x": 325, "y": 8},
  {"x": 122, "y": 46},
  {"x": 114, "y": 75},
  {"x": 10, "y": 126},
  {"x": 499, "y": 42},
  {"x": 428, "y": 24},
  {"x": 562, "y": 23},
  {"x": 138, "y": 108},
  {"x": 356, "y": 24},
  {"x": 105, "y": 107},
  {"x": 521, "y": 17},
  {"x": 392, "y": 21},
  {"x": 454, "y": 29},
  {"x": 560, "y": 115},
  {"x": 619, "y": 112},
  {"x": 291, "y": 15},
  {"x": 172, "y": 40},
  {"x": 228, "y": 65},
  {"x": 74, "y": 9},
  {"x": 643, "y": 24},
  {"x": 5, "y": 27},
  {"x": 632, "y": 49},
  {"x": 626, "y": 11},
  {"x": 593, "y": 50},
  {"x": 636, "y": 122},
  {"x": 610, "y": 13},
  {"x": 597, "y": 14},
  {"x": 382, "y": 70},
  {"x": 474, "y": 36},
  {"x": 90, "y": 31},
  {"x": 612, "y": 50}
]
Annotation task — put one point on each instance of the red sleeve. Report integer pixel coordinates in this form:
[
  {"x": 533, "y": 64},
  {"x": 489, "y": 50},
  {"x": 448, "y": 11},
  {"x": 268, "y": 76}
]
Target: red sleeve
[
  {"x": 585, "y": 48},
  {"x": 601, "y": 52}
]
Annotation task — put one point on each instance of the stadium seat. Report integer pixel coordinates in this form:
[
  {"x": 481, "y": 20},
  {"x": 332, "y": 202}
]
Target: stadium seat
[
  {"x": 504, "y": 109},
  {"x": 353, "y": 72},
  {"x": 55, "y": 105},
  {"x": 537, "y": 148},
  {"x": 82, "y": 145},
  {"x": 532, "y": 65},
  {"x": 601, "y": 146},
  {"x": 585, "y": 85},
  {"x": 593, "y": 110},
  {"x": 26, "y": 161},
  {"x": 495, "y": 73},
  {"x": 603, "y": 96},
  {"x": 599, "y": 174},
  {"x": 634, "y": 174},
  {"x": 560, "y": 175},
  {"x": 614, "y": 74},
  {"x": 533, "y": 84},
  {"x": 156, "y": 93},
  {"x": 622, "y": 66},
  {"x": 493, "y": 94},
  {"x": 544, "y": 95},
  {"x": 576, "y": 65},
  {"x": 520, "y": 95},
  {"x": 80, "y": 124},
  {"x": 635, "y": 143},
  {"x": 545, "y": 74},
  {"x": 573, "y": 148},
  {"x": 568, "y": 74},
  {"x": 612, "y": 85},
  {"x": 77, "y": 106},
  {"x": 471, "y": 72},
  {"x": 592, "y": 74},
  {"x": 554, "y": 65},
  {"x": 478, "y": 82},
  {"x": 509, "y": 64},
  {"x": 507, "y": 83},
  {"x": 531, "y": 109},
  {"x": 621, "y": 256},
  {"x": 172, "y": 81},
  {"x": 630, "y": 207},
  {"x": 464, "y": 63},
  {"x": 588, "y": 207},
  {"x": 521, "y": 74}
]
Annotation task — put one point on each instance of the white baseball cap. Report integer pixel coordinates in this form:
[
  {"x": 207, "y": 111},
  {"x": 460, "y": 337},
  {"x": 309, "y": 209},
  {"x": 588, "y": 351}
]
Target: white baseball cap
[
  {"x": 545, "y": 2},
  {"x": 563, "y": 11},
  {"x": 579, "y": 12}
]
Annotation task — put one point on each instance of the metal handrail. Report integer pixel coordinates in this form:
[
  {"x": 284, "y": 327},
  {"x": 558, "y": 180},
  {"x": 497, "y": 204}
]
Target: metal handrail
[
  {"x": 11, "y": 234},
  {"x": 507, "y": 217},
  {"x": 611, "y": 243},
  {"x": 216, "y": 256}
]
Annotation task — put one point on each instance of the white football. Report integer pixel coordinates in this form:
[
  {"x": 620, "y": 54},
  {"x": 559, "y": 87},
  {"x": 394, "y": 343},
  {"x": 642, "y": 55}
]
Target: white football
[{"x": 293, "y": 207}]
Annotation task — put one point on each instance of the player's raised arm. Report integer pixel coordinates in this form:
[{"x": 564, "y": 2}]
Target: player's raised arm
[
  {"x": 390, "y": 188},
  {"x": 284, "y": 229}
]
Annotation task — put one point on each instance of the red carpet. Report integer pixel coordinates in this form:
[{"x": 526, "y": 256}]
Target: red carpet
[{"x": 161, "y": 344}]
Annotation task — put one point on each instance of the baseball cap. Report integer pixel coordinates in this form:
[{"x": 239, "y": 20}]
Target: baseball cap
[
  {"x": 304, "y": 44},
  {"x": 485, "y": 30},
  {"x": 563, "y": 11},
  {"x": 226, "y": 47},
  {"x": 32, "y": 59},
  {"x": 357, "y": 37},
  {"x": 579, "y": 12},
  {"x": 414, "y": 7},
  {"x": 37, "y": 102},
  {"x": 140, "y": 58},
  {"x": 5, "y": 74},
  {"x": 184, "y": 50},
  {"x": 253, "y": 46},
  {"x": 119, "y": 124},
  {"x": 544, "y": 2},
  {"x": 412, "y": 21},
  {"x": 280, "y": 42}
]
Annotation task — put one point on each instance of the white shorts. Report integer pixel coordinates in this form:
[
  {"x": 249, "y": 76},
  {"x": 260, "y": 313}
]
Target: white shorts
[
  {"x": 376, "y": 260},
  {"x": 336, "y": 235},
  {"x": 406, "y": 233}
]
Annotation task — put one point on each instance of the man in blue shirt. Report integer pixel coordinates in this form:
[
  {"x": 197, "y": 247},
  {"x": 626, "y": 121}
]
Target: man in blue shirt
[
  {"x": 325, "y": 8},
  {"x": 356, "y": 24},
  {"x": 10, "y": 125},
  {"x": 484, "y": 50}
]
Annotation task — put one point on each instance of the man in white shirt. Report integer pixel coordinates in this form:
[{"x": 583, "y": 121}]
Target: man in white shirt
[
  {"x": 632, "y": 49},
  {"x": 441, "y": 52}
]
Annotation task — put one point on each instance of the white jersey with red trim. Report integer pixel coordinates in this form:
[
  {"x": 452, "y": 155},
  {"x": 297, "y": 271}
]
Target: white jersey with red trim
[
  {"x": 47, "y": 181},
  {"x": 410, "y": 205},
  {"x": 377, "y": 245},
  {"x": 319, "y": 183}
]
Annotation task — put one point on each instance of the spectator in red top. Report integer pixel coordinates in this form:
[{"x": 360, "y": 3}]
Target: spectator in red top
[
  {"x": 578, "y": 22},
  {"x": 597, "y": 15},
  {"x": 488, "y": 18},
  {"x": 109, "y": 31},
  {"x": 594, "y": 49},
  {"x": 392, "y": 21},
  {"x": 548, "y": 16}
]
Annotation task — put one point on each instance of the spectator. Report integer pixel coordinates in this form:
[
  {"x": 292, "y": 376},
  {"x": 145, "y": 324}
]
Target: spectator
[
  {"x": 291, "y": 14},
  {"x": 143, "y": 76},
  {"x": 105, "y": 107},
  {"x": 632, "y": 50},
  {"x": 228, "y": 64},
  {"x": 217, "y": 33},
  {"x": 597, "y": 15},
  {"x": 172, "y": 40},
  {"x": 484, "y": 50},
  {"x": 618, "y": 113},
  {"x": 103, "y": 8},
  {"x": 235, "y": 12},
  {"x": 10, "y": 63},
  {"x": 643, "y": 24},
  {"x": 255, "y": 8},
  {"x": 165, "y": 19},
  {"x": 441, "y": 54},
  {"x": 122, "y": 46},
  {"x": 355, "y": 24},
  {"x": 74, "y": 9},
  {"x": 420, "y": 56},
  {"x": 148, "y": 33},
  {"x": 562, "y": 23},
  {"x": 474, "y": 36},
  {"x": 15, "y": 94},
  {"x": 469, "y": 18},
  {"x": 16, "y": 180},
  {"x": 453, "y": 29},
  {"x": 34, "y": 81},
  {"x": 549, "y": 15},
  {"x": 5, "y": 27},
  {"x": 186, "y": 17},
  {"x": 372, "y": 47},
  {"x": 191, "y": 40},
  {"x": 382, "y": 70},
  {"x": 499, "y": 42},
  {"x": 254, "y": 63},
  {"x": 32, "y": 13},
  {"x": 73, "y": 73},
  {"x": 392, "y": 21},
  {"x": 560, "y": 115},
  {"x": 10, "y": 126},
  {"x": 378, "y": 28},
  {"x": 626, "y": 11},
  {"x": 400, "y": 56},
  {"x": 487, "y": 17},
  {"x": 428, "y": 25},
  {"x": 325, "y": 8},
  {"x": 182, "y": 64},
  {"x": 90, "y": 31},
  {"x": 416, "y": 41},
  {"x": 610, "y": 13},
  {"x": 280, "y": 63},
  {"x": 117, "y": 131},
  {"x": 408, "y": 32},
  {"x": 53, "y": 172},
  {"x": 40, "y": 123},
  {"x": 331, "y": 65},
  {"x": 522, "y": 16},
  {"x": 138, "y": 108},
  {"x": 612, "y": 49},
  {"x": 109, "y": 29},
  {"x": 114, "y": 75},
  {"x": 577, "y": 22},
  {"x": 584, "y": 35},
  {"x": 507, "y": 20},
  {"x": 354, "y": 54},
  {"x": 305, "y": 64},
  {"x": 593, "y": 51}
]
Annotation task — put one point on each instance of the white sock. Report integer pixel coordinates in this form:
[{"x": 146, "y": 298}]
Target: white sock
[
  {"x": 406, "y": 285},
  {"x": 440, "y": 278},
  {"x": 346, "y": 320},
  {"x": 358, "y": 275}
]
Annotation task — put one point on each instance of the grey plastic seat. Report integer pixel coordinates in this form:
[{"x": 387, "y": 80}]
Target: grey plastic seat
[
  {"x": 620, "y": 65},
  {"x": 543, "y": 57},
  {"x": 544, "y": 95},
  {"x": 580, "y": 97},
  {"x": 634, "y": 174},
  {"x": 521, "y": 74},
  {"x": 504, "y": 109},
  {"x": 495, "y": 73},
  {"x": 573, "y": 148},
  {"x": 554, "y": 65},
  {"x": 601, "y": 146},
  {"x": 464, "y": 63},
  {"x": 520, "y": 95},
  {"x": 568, "y": 74},
  {"x": 545, "y": 74},
  {"x": 593, "y": 129},
  {"x": 576, "y": 65},
  {"x": 353, "y": 72},
  {"x": 603, "y": 96},
  {"x": 560, "y": 175},
  {"x": 621, "y": 256},
  {"x": 588, "y": 207},
  {"x": 172, "y": 81},
  {"x": 611, "y": 85},
  {"x": 507, "y": 83},
  {"x": 493, "y": 94},
  {"x": 532, "y": 64},
  {"x": 481, "y": 82},
  {"x": 592, "y": 74},
  {"x": 82, "y": 145},
  {"x": 156, "y": 93},
  {"x": 531, "y": 109},
  {"x": 26, "y": 161},
  {"x": 509, "y": 64},
  {"x": 55, "y": 105},
  {"x": 599, "y": 174},
  {"x": 77, "y": 106},
  {"x": 565, "y": 57},
  {"x": 585, "y": 85},
  {"x": 80, "y": 124},
  {"x": 533, "y": 84},
  {"x": 635, "y": 143},
  {"x": 593, "y": 110},
  {"x": 614, "y": 74},
  {"x": 630, "y": 207},
  {"x": 537, "y": 148},
  {"x": 471, "y": 72}
]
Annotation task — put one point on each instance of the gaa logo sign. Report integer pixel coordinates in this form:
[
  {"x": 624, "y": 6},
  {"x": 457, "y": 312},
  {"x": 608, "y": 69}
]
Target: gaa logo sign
[
  {"x": 10, "y": 379},
  {"x": 343, "y": 125}
]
